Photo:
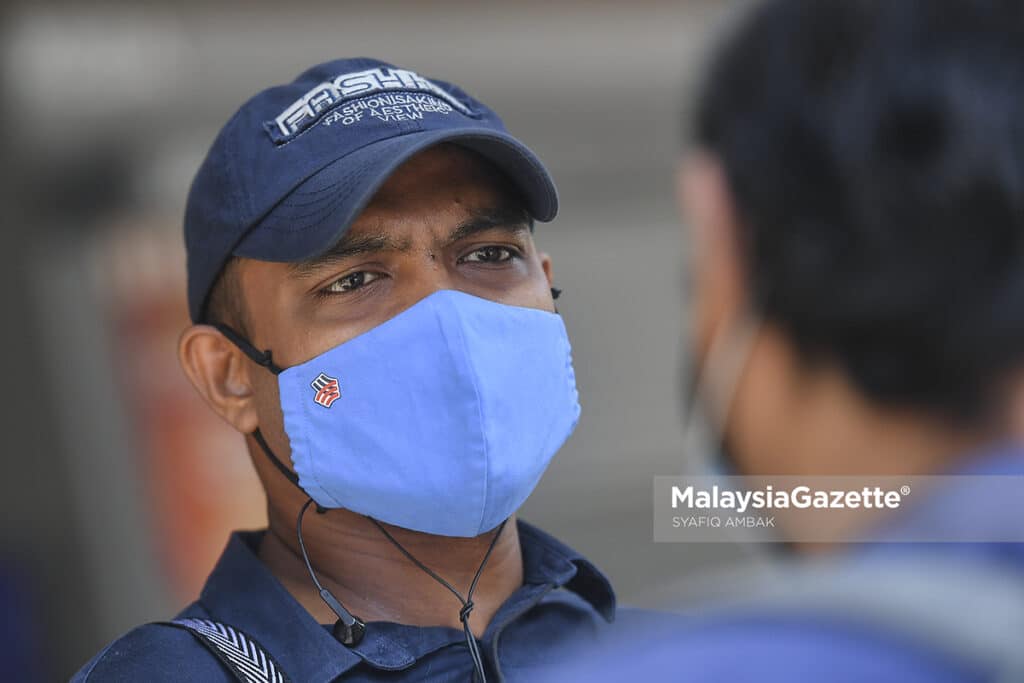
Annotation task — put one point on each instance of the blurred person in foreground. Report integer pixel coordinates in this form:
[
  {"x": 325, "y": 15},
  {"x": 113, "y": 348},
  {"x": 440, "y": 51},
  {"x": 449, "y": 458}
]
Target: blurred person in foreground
[
  {"x": 371, "y": 312},
  {"x": 855, "y": 199}
]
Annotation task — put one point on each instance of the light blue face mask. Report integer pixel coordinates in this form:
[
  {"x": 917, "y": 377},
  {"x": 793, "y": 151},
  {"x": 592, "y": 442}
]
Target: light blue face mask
[{"x": 441, "y": 420}]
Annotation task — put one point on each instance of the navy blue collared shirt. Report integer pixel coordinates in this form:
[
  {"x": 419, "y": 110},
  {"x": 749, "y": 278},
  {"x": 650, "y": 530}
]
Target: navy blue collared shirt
[{"x": 564, "y": 602}]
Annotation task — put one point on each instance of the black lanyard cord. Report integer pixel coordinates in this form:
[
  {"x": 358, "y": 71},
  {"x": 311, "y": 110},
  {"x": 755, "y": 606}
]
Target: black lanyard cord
[
  {"x": 349, "y": 629},
  {"x": 467, "y": 602}
]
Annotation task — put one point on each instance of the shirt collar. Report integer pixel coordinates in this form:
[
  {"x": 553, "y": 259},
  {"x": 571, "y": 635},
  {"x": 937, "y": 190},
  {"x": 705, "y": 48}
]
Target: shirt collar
[
  {"x": 243, "y": 593},
  {"x": 546, "y": 560}
]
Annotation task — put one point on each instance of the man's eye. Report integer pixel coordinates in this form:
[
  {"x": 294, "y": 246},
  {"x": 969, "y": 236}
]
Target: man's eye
[
  {"x": 488, "y": 255},
  {"x": 351, "y": 282}
]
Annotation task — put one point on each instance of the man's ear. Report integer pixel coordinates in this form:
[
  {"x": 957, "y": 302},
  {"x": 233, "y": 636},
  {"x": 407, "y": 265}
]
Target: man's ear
[
  {"x": 545, "y": 264},
  {"x": 706, "y": 202},
  {"x": 220, "y": 373},
  {"x": 715, "y": 256}
]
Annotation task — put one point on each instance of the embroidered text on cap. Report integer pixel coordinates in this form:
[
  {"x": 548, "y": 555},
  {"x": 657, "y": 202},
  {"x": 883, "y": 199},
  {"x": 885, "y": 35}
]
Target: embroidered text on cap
[{"x": 306, "y": 110}]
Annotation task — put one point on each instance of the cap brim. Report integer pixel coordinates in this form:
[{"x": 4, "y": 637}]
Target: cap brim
[{"x": 317, "y": 213}]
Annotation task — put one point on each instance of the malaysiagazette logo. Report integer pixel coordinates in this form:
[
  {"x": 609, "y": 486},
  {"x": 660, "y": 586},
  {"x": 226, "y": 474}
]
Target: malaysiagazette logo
[
  {"x": 834, "y": 508},
  {"x": 327, "y": 390},
  {"x": 798, "y": 497}
]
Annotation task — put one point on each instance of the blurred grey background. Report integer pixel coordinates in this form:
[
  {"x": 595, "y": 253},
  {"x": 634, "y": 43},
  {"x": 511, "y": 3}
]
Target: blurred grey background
[{"x": 107, "y": 110}]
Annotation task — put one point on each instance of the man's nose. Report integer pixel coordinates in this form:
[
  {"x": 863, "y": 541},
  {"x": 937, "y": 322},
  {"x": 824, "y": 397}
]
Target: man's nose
[{"x": 429, "y": 272}]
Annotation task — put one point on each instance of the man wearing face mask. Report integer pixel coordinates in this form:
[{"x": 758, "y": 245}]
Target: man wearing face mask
[
  {"x": 371, "y": 312},
  {"x": 856, "y": 222}
]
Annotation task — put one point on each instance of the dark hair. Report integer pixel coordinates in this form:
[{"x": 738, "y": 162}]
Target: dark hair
[
  {"x": 226, "y": 304},
  {"x": 875, "y": 152}
]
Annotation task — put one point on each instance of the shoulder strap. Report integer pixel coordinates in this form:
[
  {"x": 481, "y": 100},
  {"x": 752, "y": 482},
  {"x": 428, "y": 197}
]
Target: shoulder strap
[{"x": 244, "y": 657}]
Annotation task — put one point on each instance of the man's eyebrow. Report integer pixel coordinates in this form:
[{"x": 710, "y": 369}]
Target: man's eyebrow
[
  {"x": 346, "y": 247},
  {"x": 502, "y": 218}
]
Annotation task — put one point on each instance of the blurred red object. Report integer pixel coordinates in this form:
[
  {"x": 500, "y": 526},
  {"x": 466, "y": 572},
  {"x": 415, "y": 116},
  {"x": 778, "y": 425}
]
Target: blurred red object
[{"x": 196, "y": 471}]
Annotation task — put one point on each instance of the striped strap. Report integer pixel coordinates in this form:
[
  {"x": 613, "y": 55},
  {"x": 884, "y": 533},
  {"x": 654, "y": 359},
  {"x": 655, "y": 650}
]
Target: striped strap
[{"x": 242, "y": 655}]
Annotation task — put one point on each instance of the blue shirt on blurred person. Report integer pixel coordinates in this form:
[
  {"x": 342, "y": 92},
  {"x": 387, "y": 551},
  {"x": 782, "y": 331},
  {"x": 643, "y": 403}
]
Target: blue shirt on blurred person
[{"x": 855, "y": 203}]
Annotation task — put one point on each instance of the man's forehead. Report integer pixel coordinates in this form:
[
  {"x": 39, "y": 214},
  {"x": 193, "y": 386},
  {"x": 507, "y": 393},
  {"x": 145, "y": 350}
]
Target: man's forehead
[
  {"x": 463, "y": 221},
  {"x": 443, "y": 194},
  {"x": 381, "y": 235},
  {"x": 441, "y": 172}
]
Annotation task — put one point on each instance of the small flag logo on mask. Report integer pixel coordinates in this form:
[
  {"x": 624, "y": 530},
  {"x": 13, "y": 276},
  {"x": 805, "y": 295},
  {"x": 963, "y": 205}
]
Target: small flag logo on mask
[{"x": 327, "y": 390}]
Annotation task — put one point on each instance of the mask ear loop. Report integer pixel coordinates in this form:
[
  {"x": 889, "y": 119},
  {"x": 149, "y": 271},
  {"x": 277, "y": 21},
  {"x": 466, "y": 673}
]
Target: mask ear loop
[
  {"x": 349, "y": 629},
  {"x": 715, "y": 390},
  {"x": 261, "y": 358},
  {"x": 289, "y": 475},
  {"x": 556, "y": 293},
  {"x": 718, "y": 381}
]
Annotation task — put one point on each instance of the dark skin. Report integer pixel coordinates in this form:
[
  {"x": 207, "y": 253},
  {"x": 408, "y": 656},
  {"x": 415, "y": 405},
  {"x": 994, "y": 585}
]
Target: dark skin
[{"x": 443, "y": 220}]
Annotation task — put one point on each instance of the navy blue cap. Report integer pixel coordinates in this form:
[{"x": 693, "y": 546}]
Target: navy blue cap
[{"x": 292, "y": 169}]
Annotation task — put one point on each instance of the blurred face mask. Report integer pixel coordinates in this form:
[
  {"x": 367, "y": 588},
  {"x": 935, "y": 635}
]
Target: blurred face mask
[
  {"x": 710, "y": 385},
  {"x": 440, "y": 420}
]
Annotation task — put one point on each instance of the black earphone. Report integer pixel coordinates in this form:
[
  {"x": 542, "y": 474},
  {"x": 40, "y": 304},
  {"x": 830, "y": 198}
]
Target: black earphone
[{"x": 349, "y": 629}]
